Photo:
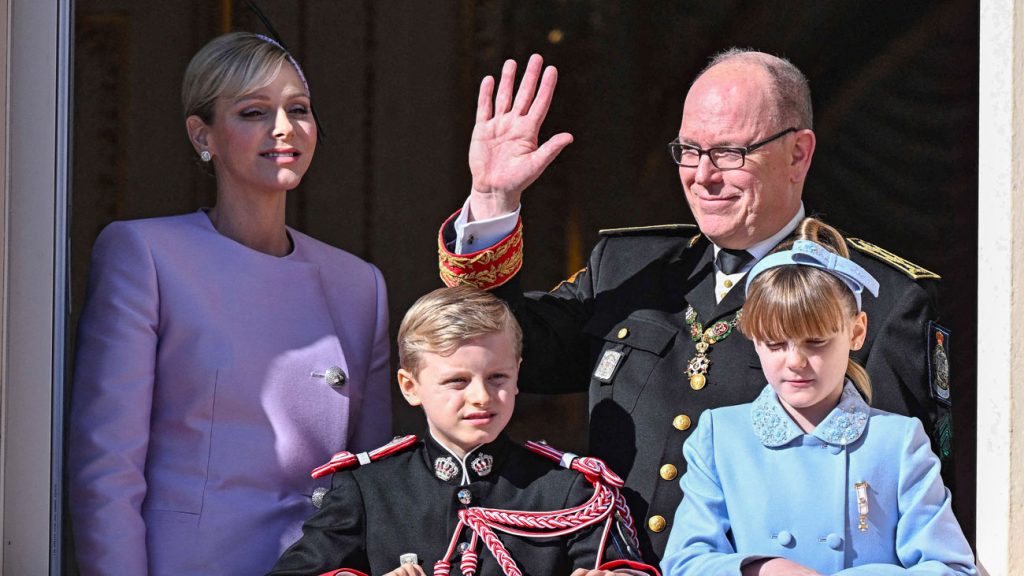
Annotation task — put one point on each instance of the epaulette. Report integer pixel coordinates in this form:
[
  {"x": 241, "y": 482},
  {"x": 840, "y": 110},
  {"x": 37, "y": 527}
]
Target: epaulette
[
  {"x": 344, "y": 460},
  {"x": 659, "y": 230},
  {"x": 902, "y": 264},
  {"x": 592, "y": 468}
]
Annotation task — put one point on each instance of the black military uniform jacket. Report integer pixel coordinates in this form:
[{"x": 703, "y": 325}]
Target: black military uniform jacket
[
  {"x": 631, "y": 299},
  {"x": 398, "y": 505}
]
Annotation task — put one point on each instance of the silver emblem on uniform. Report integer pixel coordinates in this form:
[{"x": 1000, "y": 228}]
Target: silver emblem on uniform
[
  {"x": 334, "y": 376},
  {"x": 465, "y": 496},
  {"x": 318, "y": 497},
  {"x": 445, "y": 468},
  {"x": 606, "y": 367},
  {"x": 482, "y": 464},
  {"x": 408, "y": 559}
]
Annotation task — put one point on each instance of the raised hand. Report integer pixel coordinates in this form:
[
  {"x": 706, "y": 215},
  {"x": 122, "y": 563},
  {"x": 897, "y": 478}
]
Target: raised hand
[{"x": 504, "y": 155}]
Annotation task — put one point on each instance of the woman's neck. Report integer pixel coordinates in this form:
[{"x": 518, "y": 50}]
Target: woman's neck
[{"x": 254, "y": 222}]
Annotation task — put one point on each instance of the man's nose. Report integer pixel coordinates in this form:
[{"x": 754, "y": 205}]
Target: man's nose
[{"x": 706, "y": 170}]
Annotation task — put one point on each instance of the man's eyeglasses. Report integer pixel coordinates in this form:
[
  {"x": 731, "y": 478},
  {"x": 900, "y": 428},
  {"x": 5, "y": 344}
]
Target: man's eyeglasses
[{"x": 723, "y": 157}]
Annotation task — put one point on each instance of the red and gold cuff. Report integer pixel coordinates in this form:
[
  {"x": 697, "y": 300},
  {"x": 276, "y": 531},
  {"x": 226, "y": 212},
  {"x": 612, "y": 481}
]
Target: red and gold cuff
[{"x": 485, "y": 269}]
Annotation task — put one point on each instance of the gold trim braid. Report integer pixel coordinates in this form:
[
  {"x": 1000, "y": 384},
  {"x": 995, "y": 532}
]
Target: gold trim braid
[{"x": 902, "y": 264}]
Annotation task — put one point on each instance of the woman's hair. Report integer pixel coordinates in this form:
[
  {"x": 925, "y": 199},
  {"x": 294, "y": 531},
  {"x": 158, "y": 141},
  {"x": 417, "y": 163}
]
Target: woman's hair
[
  {"x": 229, "y": 66},
  {"x": 446, "y": 318},
  {"x": 803, "y": 302}
]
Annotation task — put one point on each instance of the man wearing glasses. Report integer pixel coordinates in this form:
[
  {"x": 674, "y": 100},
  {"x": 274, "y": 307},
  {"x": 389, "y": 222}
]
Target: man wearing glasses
[{"x": 648, "y": 325}]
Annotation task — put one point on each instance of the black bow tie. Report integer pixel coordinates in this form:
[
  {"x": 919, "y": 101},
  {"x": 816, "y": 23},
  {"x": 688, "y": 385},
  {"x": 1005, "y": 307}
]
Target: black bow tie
[{"x": 732, "y": 261}]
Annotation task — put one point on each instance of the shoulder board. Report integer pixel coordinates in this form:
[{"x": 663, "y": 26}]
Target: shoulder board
[
  {"x": 902, "y": 264},
  {"x": 659, "y": 230},
  {"x": 344, "y": 460},
  {"x": 593, "y": 468}
]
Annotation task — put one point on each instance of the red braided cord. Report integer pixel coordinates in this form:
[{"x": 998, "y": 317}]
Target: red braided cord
[
  {"x": 508, "y": 565},
  {"x": 605, "y": 501},
  {"x": 468, "y": 562},
  {"x": 626, "y": 519}
]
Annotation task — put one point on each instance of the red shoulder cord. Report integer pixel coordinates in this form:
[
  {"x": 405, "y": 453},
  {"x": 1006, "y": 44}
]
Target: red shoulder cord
[{"x": 606, "y": 505}]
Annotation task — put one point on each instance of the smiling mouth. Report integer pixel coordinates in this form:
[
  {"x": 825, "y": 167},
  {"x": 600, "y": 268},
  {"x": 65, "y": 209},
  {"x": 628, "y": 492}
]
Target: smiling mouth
[{"x": 279, "y": 154}]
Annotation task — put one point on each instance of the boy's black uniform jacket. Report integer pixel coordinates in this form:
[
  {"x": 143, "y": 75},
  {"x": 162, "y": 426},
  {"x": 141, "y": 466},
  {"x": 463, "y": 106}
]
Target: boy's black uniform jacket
[
  {"x": 632, "y": 298},
  {"x": 397, "y": 505}
]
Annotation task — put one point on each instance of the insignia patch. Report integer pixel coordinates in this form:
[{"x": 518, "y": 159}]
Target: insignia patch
[
  {"x": 938, "y": 363},
  {"x": 482, "y": 464},
  {"x": 902, "y": 264},
  {"x": 608, "y": 364},
  {"x": 445, "y": 468}
]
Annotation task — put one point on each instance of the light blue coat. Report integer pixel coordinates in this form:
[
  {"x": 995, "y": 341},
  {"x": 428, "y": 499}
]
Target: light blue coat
[{"x": 757, "y": 486}]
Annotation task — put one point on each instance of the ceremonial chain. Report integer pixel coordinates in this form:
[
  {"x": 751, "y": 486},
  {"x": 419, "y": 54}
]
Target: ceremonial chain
[{"x": 697, "y": 367}]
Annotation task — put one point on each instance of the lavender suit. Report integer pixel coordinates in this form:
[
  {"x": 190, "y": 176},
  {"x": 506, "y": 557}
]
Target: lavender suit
[{"x": 196, "y": 415}]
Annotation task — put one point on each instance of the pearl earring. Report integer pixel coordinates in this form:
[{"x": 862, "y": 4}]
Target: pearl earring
[{"x": 205, "y": 156}]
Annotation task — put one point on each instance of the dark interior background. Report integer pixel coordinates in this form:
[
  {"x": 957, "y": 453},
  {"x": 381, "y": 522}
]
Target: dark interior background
[{"x": 895, "y": 97}]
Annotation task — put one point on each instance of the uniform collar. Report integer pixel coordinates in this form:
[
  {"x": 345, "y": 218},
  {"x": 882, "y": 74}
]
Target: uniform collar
[
  {"x": 843, "y": 425},
  {"x": 479, "y": 463}
]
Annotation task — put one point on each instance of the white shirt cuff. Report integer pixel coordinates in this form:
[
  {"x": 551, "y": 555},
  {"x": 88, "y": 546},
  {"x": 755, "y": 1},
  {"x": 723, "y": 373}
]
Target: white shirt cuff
[{"x": 480, "y": 234}]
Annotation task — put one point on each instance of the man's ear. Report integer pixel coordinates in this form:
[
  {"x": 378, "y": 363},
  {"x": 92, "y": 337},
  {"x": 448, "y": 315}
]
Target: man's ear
[
  {"x": 409, "y": 387},
  {"x": 198, "y": 133},
  {"x": 804, "y": 142}
]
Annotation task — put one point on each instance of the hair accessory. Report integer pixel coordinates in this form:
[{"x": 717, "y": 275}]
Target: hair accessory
[
  {"x": 808, "y": 253},
  {"x": 291, "y": 60},
  {"x": 276, "y": 40},
  {"x": 205, "y": 155}
]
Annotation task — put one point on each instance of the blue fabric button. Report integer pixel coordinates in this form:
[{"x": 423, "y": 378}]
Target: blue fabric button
[
  {"x": 784, "y": 538},
  {"x": 834, "y": 541}
]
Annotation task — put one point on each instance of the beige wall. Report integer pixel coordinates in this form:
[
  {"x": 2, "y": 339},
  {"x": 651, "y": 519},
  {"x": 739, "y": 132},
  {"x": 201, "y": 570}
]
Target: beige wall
[
  {"x": 29, "y": 299},
  {"x": 1000, "y": 463}
]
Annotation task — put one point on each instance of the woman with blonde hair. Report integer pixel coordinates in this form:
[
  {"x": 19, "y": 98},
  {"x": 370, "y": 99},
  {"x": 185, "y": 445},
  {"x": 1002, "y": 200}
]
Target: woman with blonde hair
[{"x": 221, "y": 354}]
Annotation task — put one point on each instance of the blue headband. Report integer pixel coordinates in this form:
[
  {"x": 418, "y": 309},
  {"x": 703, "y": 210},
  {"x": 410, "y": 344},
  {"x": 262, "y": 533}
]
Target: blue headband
[{"x": 807, "y": 253}]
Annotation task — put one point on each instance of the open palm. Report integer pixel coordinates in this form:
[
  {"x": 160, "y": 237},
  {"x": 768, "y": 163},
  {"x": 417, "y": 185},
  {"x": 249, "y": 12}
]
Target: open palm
[{"x": 504, "y": 154}]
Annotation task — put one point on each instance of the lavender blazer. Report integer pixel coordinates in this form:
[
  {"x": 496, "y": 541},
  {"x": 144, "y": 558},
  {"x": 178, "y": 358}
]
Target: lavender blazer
[{"x": 195, "y": 415}]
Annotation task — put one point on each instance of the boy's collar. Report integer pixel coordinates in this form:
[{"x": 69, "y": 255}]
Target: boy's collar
[
  {"x": 478, "y": 463},
  {"x": 844, "y": 424}
]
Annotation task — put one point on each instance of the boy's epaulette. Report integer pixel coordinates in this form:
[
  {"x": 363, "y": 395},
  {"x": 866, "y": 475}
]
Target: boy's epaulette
[
  {"x": 659, "y": 230},
  {"x": 344, "y": 460},
  {"x": 592, "y": 468},
  {"x": 902, "y": 264}
]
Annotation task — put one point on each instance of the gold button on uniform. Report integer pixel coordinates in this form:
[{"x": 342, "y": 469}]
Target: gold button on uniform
[
  {"x": 656, "y": 523},
  {"x": 668, "y": 472},
  {"x": 727, "y": 283},
  {"x": 623, "y": 332},
  {"x": 681, "y": 422}
]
